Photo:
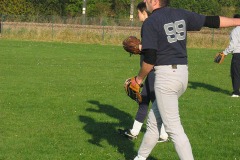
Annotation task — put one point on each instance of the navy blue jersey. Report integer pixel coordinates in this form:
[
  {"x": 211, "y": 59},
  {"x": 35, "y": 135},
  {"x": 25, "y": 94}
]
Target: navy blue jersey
[{"x": 166, "y": 31}]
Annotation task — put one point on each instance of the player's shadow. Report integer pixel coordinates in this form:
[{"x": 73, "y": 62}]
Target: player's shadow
[
  {"x": 195, "y": 85},
  {"x": 106, "y": 130}
]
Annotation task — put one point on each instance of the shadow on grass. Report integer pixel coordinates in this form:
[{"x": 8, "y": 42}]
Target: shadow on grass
[
  {"x": 107, "y": 130},
  {"x": 195, "y": 85}
]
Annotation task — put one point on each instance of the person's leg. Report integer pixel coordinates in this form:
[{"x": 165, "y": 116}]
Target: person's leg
[
  {"x": 170, "y": 84},
  {"x": 140, "y": 115},
  {"x": 163, "y": 135},
  {"x": 151, "y": 136},
  {"x": 235, "y": 73},
  {"x": 147, "y": 96},
  {"x": 151, "y": 93}
]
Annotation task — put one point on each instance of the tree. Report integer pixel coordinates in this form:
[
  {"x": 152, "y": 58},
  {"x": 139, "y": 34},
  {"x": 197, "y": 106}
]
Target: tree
[
  {"x": 228, "y": 3},
  {"x": 208, "y": 7},
  {"x": 74, "y": 7},
  {"x": 15, "y": 7},
  {"x": 99, "y": 9},
  {"x": 109, "y": 8},
  {"x": 121, "y": 8}
]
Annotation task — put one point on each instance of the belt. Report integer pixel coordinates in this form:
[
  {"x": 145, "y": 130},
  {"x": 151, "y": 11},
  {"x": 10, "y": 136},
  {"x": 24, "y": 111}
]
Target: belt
[{"x": 173, "y": 66}]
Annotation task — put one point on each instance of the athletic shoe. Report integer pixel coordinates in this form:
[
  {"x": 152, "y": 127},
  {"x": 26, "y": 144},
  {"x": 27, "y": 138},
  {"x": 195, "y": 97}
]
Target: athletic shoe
[
  {"x": 235, "y": 95},
  {"x": 139, "y": 158},
  {"x": 160, "y": 140},
  {"x": 127, "y": 133}
]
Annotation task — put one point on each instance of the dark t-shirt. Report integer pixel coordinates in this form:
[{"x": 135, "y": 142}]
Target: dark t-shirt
[{"x": 166, "y": 31}]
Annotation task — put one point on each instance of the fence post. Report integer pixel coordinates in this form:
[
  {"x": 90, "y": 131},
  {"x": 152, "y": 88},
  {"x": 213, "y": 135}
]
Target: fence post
[
  {"x": 212, "y": 36},
  {"x": 84, "y": 12},
  {"x": 1, "y": 17},
  {"x": 52, "y": 26},
  {"x": 103, "y": 32}
]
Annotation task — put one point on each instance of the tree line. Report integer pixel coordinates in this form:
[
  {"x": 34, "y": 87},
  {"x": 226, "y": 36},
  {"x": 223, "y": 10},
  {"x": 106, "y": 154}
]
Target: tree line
[{"x": 109, "y": 8}]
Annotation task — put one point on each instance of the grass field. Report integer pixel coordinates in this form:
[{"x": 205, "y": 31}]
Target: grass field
[{"x": 66, "y": 101}]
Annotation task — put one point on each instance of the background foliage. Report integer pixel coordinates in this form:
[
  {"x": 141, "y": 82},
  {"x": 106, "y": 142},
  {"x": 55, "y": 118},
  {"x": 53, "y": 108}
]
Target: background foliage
[{"x": 109, "y": 8}]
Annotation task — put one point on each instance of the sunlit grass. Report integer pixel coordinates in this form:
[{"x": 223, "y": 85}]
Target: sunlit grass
[{"x": 66, "y": 101}]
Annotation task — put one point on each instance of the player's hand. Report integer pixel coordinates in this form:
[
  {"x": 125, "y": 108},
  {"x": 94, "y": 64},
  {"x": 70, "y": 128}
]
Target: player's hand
[{"x": 132, "y": 88}]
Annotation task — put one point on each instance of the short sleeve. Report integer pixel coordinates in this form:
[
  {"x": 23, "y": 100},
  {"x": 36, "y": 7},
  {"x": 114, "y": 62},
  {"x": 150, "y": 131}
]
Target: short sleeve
[
  {"x": 194, "y": 21},
  {"x": 149, "y": 36}
]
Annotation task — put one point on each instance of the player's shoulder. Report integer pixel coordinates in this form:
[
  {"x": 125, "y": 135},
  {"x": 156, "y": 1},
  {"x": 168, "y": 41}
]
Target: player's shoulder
[
  {"x": 148, "y": 21},
  {"x": 171, "y": 12},
  {"x": 176, "y": 10}
]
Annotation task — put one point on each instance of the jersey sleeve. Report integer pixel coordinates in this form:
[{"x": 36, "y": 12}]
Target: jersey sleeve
[
  {"x": 233, "y": 42},
  {"x": 195, "y": 21},
  {"x": 149, "y": 36}
]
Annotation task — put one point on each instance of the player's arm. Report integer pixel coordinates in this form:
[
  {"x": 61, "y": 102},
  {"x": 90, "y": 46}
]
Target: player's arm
[
  {"x": 221, "y": 22},
  {"x": 229, "y": 22},
  {"x": 234, "y": 41},
  {"x": 150, "y": 56},
  {"x": 140, "y": 47}
]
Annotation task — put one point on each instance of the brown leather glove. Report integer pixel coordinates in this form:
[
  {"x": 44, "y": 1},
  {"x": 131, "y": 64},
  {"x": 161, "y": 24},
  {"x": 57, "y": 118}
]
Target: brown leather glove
[
  {"x": 132, "y": 89},
  {"x": 131, "y": 45},
  {"x": 219, "y": 58}
]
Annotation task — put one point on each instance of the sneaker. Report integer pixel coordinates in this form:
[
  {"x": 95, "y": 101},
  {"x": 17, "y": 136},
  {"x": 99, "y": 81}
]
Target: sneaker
[
  {"x": 139, "y": 158},
  {"x": 160, "y": 140},
  {"x": 235, "y": 95},
  {"x": 127, "y": 133}
]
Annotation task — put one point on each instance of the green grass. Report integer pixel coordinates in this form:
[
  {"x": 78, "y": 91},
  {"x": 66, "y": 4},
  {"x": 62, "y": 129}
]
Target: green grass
[{"x": 66, "y": 101}]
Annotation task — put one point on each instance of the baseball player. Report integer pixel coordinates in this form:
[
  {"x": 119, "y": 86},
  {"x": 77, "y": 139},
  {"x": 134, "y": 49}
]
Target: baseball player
[
  {"x": 164, "y": 37},
  {"x": 234, "y": 48},
  {"x": 147, "y": 93}
]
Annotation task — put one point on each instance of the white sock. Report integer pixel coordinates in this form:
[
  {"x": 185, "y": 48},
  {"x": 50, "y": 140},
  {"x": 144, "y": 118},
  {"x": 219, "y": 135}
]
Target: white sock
[
  {"x": 163, "y": 133},
  {"x": 136, "y": 128},
  {"x": 139, "y": 158}
]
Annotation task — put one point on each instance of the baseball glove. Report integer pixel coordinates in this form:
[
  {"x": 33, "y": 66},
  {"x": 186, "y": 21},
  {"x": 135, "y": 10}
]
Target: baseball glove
[
  {"x": 219, "y": 58},
  {"x": 132, "y": 89},
  {"x": 131, "y": 45}
]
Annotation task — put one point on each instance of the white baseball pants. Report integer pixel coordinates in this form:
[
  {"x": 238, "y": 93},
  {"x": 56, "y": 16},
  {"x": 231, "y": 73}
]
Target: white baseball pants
[{"x": 170, "y": 84}]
